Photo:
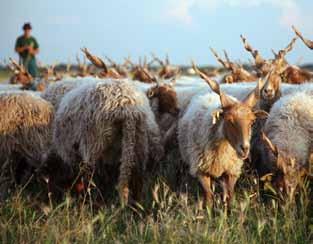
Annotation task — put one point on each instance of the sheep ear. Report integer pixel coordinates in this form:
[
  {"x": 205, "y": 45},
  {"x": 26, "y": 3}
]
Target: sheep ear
[
  {"x": 216, "y": 114},
  {"x": 252, "y": 99},
  {"x": 261, "y": 114},
  {"x": 270, "y": 144},
  {"x": 150, "y": 93}
]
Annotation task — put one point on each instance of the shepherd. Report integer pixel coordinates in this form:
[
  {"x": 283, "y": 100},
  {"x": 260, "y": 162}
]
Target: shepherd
[{"x": 27, "y": 48}]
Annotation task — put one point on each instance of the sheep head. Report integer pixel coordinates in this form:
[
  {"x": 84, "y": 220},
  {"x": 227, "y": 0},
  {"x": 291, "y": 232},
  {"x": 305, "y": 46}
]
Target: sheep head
[
  {"x": 259, "y": 61},
  {"x": 120, "y": 69},
  {"x": 164, "y": 95},
  {"x": 271, "y": 88},
  {"x": 296, "y": 75},
  {"x": 237, "y": 116},
  {"x": 167, "y": 71},
  {"x": 99, "y": 63},
  {"x": 21, "y": 75},
  {"x": 238, "y": 73},
  {"x": 286, "y": 166},
  {"x": 140, "y": 72}
]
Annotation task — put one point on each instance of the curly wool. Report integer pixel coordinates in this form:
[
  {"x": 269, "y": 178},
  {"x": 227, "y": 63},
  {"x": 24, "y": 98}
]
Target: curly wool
[
  {"x": 290, "y": 126},
  {"x": 96, "y": 116},
  {"x": 56, "y": 91},
  {"x": 25, "y": 126},
  {"x": 202, "y": 144}
]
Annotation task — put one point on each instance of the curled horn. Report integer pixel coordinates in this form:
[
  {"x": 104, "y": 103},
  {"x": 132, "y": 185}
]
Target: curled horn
[
  {"x": 255, "y": 53},
  {"x": 282, "y": 53},
  {"x": 111, "y": 62},
  {"x": 274, "y": 53},
  {"x": 98, "y": 62},
  {"x": 173, "y": 80},
  {"x": 270, "y": 144},
  {"x": 252, "y": 99},
  {"x": 128, "y": 61},
  {"x": 221, "y": 61},
  {"x": 18, "y": 67},
  {"x": 155, "y": 58},
  {"x": 247, "y": 46},
  {"x": 226, "y": 101},
  {"x": 167, "y": 59},
  {"x": 150, "y": 76},
  {"x": 230, "y": 64},
  {"x": 307, "y": 42}
]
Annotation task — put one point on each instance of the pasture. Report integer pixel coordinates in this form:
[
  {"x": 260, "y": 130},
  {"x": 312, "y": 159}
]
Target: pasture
[
  {"x": 143, "y": 153},
  {"x": 165, "y": 216}
]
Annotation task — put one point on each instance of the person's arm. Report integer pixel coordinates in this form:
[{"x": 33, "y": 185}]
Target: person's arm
[
  {"x": 34, "y": 50},
  {"x": 18, "y": 47}
]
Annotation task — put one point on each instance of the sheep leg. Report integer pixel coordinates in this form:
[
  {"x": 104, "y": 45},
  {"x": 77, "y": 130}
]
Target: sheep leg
[
  {"x": 137, "y": 184},
  {"x": 206, "y": 183},
  {"x": 228, "y": 184}
]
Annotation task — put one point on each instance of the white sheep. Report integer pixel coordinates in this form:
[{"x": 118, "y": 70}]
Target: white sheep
[
  {"x": 214, "y": 137},
  {"x": 108, "y": 122},
  {"x": 25, "y": 133},
  {"x": 288, "y": 140}
]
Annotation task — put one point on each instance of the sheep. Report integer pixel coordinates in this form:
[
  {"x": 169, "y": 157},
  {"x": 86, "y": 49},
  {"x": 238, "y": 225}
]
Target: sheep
[
  {"x": 285, "y": 146},
  {"x": 21, "y": 76},
  {"x": 25, "y": 128},
  {"x": 214, "y": 137},
  {"x": 238, "y": 73},
  {"x": 307, "y": 42},
  {"x": 56, "y": 91},
  {"x": 274, "y": 89},
  {"x": 167, "y": 71},
  {"x": 109, "y": 122},
  {"x": 140, "y": 71},
  {"x": 121, "y": 69},
  {"x": 99, "y": 63},
  {"x": 265, "y": 66}
]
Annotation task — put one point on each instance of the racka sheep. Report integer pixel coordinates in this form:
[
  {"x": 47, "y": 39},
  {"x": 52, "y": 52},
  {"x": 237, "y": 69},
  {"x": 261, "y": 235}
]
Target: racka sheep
[
  {"x": 287, "y": 141},
  {"x": 214, "y": 137},
  {"x": 56, "y": 91},
  {"x": 109, "y": 123},
  {"x": 25, "y": 131}
]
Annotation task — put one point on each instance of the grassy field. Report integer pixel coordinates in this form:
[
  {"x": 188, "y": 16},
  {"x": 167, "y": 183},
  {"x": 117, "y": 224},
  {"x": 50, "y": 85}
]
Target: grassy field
[
  {"x": 4, "y": 75},
  {"x": 170, "y": 213}
]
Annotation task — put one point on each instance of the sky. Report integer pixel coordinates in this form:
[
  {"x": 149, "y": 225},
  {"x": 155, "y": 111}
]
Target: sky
[{"x": 185, "y": 29}]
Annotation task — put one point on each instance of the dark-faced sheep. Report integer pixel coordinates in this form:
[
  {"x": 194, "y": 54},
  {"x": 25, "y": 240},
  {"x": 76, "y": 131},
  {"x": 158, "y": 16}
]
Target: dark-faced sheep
[{"x": 214, "y": 137}]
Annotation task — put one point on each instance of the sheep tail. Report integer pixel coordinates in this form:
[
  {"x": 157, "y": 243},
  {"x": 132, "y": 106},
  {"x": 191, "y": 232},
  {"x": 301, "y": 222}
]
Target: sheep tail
[{"x": 128, "y": 158}]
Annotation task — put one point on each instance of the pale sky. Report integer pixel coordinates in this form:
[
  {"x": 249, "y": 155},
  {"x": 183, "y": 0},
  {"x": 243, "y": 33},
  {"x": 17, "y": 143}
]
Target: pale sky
[{"x": 183, "y": 28}]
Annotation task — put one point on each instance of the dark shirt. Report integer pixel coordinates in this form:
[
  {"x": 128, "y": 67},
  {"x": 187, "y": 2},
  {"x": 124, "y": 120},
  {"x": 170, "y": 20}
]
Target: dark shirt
[{"x": 23, "y": 41}]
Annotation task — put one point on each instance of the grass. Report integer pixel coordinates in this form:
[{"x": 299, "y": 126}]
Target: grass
[
  {"x": 170, "y": 213},
  {"x": 4, "y": 75}
]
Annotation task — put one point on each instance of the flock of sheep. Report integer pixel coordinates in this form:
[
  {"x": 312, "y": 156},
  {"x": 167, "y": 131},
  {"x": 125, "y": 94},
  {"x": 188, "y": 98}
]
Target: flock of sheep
[{"x": 76, "y": 128}]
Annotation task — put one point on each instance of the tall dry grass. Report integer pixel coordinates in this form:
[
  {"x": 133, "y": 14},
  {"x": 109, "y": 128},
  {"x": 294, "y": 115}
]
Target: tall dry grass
[{"x": 170, "y": 213}]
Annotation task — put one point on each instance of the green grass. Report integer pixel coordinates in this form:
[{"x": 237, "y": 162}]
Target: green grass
[
  {"x": 4, "y": 75},
  {"x": 167, "y": 215}
]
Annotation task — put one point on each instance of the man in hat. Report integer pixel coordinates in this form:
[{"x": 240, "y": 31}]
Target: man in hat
[{"x": 27, "y": 47}]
